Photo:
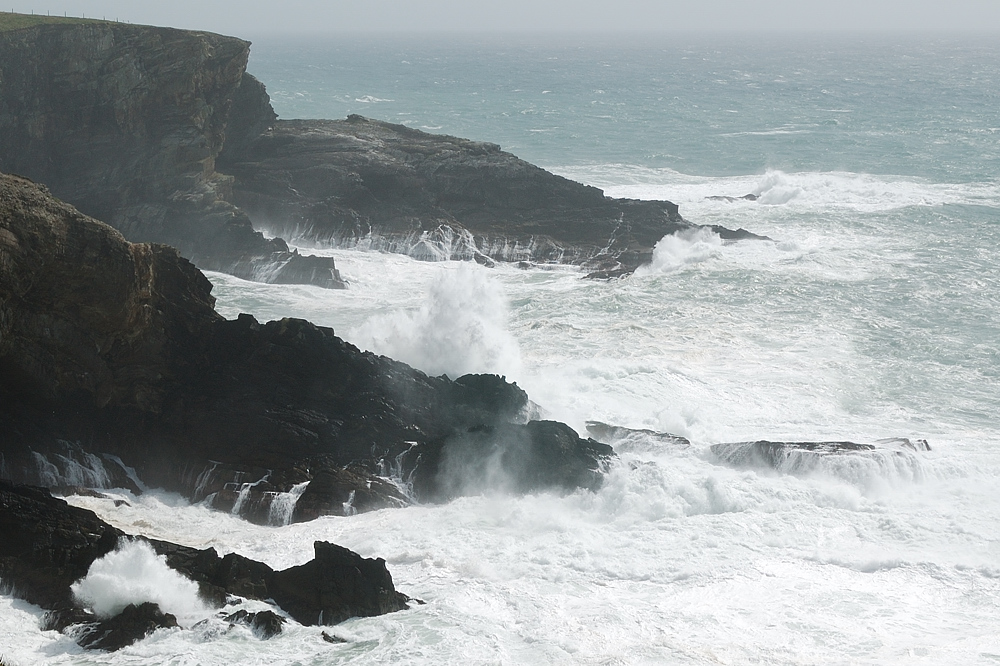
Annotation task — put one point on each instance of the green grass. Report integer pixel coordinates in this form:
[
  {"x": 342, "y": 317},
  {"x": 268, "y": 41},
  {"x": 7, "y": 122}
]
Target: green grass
[{"x": 10, "y": 21}]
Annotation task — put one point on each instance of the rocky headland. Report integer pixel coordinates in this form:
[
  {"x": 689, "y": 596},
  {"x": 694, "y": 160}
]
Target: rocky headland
[
  {"x": 363, "y": 182},
  {"x": 116, "y": 370},
  {"x": 163, "y": 134}
]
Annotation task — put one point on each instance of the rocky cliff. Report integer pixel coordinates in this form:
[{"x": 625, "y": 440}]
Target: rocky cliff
[
  {"x": 116, "y": 370},
  {"x": 125, "y": 122}
]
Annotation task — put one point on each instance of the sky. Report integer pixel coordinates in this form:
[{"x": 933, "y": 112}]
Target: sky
[{"x": 249, "y": 17}]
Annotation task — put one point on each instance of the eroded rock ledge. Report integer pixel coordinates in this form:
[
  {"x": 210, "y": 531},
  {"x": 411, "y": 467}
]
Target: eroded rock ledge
[{"x": 115, "y": 370}]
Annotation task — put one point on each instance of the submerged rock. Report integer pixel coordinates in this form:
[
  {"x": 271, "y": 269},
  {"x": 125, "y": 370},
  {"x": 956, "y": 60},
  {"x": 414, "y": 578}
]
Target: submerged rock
[
  {"x": 264, "y": 624},
  {"x": 616, "y": 435},
  {"x": 800, "y": 457},
  {"x": 133, "y": 624}
]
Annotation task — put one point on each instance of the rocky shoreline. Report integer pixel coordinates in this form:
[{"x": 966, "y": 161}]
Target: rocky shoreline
[{"x": 115, "y": 371}]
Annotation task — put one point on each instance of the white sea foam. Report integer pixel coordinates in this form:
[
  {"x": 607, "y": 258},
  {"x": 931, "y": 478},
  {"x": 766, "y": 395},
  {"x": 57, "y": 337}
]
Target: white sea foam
[
  {"x": 681, "y": 249},
  {"x": 461, "y": 327},
  {"x": 834, "y": 190},
  {"x": 133, "y": 574}
]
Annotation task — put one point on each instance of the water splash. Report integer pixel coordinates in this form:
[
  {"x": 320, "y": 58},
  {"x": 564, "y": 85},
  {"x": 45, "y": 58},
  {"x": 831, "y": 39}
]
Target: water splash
[
  {"x": 460, "y": 328},
  {"x": 133, "y": 574}
]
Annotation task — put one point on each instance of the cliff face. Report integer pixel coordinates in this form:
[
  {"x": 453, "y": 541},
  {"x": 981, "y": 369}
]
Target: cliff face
[
  {"x": 125, "y": 122},
  {"x": 109, "y": 348}
]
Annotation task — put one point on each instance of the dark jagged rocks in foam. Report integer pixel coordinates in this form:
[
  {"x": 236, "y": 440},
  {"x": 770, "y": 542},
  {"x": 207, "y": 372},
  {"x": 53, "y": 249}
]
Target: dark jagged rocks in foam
[
  {"x": 619, "y": 435},
  {"x": 112, "y": 354},
  {"x": 49, "y": 545}
]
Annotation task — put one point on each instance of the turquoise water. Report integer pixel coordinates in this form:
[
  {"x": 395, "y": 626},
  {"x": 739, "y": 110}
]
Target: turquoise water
[{"x": 719, "y": 106}]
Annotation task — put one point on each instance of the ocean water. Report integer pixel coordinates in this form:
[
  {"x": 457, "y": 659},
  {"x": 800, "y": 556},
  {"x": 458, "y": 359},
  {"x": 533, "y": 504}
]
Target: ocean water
[{"x": 872, "y": 314}]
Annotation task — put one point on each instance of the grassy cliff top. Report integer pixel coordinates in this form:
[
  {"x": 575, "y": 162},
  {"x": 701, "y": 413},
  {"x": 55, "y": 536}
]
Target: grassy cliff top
[{"x": 11, "y": 21}]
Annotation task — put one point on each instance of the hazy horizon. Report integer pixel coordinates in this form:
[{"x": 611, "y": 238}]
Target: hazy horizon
[{"x": 518, "y": 16}]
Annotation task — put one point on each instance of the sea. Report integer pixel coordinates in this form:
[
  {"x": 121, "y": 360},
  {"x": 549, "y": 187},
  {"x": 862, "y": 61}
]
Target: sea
[{"x": 873, "y": 313}]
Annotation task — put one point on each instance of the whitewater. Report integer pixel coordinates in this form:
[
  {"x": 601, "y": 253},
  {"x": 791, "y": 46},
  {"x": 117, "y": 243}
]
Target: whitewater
[{"x": 873, "y": 313}]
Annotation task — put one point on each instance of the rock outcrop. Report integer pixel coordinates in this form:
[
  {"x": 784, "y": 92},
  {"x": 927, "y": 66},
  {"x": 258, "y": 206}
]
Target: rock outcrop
[
  {"x": 115, "y": 369},
  {"x": 48, "y": 545},
  {"x": 135, "y": 622},
  {"x": 125, "y": 122},
  {"x": 809, "y": 457},
  {"x": 362, "y": 182}
]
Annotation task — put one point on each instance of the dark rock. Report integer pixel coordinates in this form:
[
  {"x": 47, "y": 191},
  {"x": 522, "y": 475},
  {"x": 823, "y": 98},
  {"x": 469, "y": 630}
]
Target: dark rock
[
  {"x": 905, "y": 443},
  {"x": 264, "y": 624},
  {"x": 612, "y": 434},
  {"x": 745, "y": 197},
  {"x": 60, "y": 619},
  {"x": 217, "y": 577},
  {"x": 507, "y": 457},
  {"x": 333, "y": 639},
  {"x": 437, "y": 197},
  {"x": 133, "y": 624},
  {"x": 336, "y": 585},
  {"x": 126, "y": 123},
  {"x": 763, "y": 453},
  {"x": 48, "y": 545},
  {"x": 344, "y": 492}
]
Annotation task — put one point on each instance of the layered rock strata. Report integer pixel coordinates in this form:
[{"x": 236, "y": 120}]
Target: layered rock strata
[
  {"x": 126, "y": 122},
  {"x": 116, "y": 370}
]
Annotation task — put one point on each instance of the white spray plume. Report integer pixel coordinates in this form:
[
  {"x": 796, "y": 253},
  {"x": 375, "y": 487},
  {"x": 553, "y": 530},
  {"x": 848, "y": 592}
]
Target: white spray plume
[
  {"x": 461, "y": 328},
  {"x": 682, "y": 248},
  {"x": 133, "y": 574}
]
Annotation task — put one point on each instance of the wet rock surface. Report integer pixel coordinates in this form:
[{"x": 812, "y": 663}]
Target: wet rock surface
[
  {"x": 264, "y": 624},
  {"x": 113, "y": 350},
  {"x": 795, "y": 457},
  {"x": 618, "y": 435},
  {"x": 133, "y": 624}
]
